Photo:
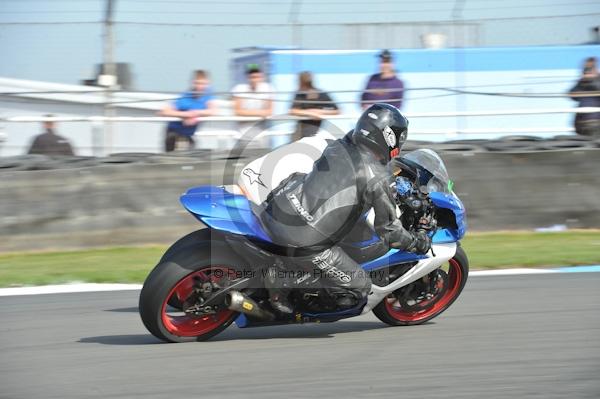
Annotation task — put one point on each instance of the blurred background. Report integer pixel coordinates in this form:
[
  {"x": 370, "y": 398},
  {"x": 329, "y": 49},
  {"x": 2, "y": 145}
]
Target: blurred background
[{"x": 90, "y": 92}]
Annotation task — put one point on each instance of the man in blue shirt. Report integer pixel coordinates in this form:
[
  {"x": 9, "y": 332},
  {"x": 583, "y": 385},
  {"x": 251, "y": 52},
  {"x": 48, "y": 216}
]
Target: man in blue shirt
[{"x": 191, "y": 105}]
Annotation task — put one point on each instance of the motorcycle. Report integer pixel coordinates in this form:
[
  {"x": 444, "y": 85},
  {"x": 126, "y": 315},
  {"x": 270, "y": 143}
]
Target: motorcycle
[{"x": 214, "y": 276}]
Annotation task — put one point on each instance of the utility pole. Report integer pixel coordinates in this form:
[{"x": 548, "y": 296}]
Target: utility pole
[
  {"x": 459, "y": 62},
  {"x": 108, "y": 78},
  {"x": 296, "y": 31}
]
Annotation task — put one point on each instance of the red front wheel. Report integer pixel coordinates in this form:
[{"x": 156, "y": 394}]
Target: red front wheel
[{"x": 428, "y": 297}]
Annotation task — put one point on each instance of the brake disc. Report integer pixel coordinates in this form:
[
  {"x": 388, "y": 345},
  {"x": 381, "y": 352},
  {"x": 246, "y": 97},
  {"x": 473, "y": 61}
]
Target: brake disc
[{"x": 423, "y": 293}]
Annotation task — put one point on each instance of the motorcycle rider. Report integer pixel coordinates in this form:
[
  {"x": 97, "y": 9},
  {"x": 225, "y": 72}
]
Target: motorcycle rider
[{"x": 311, "y": 213}]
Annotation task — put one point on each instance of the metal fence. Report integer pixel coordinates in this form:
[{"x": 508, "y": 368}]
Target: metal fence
[{"x": 106, "y": 135}]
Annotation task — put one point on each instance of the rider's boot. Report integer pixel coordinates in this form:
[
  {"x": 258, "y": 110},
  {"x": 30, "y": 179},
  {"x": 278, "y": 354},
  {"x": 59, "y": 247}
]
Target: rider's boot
[
  {"x": 346, "y": 301},
  {"x": 349, "y": 298}
]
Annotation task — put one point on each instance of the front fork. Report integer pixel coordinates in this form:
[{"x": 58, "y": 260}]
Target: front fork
[{"x": 444, "y": 252}]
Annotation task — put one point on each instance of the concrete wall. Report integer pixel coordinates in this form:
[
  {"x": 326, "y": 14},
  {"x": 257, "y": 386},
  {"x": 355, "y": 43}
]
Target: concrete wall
[{"x": 138, "y": 203}]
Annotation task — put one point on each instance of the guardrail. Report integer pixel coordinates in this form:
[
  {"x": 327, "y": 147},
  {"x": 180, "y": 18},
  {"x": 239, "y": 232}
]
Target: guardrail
[
  {"x": 101, "y": 134},
  {"x": 533, "y": 111}
]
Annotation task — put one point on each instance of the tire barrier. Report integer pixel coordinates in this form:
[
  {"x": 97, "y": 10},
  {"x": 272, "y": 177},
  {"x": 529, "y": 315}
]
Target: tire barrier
[
  {"x": 560, "y": 145},
  {"x": 521, "y": 138},
  {"x": 130, "y": 198},
  {"x": 455, "y": 148},
  {"x": 507, "y": 144},
  {"x": 525, "y": 190}
]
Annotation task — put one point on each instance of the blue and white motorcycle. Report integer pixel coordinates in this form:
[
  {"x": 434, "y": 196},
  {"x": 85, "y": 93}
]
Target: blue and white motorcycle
[{"x": 215, "y": 276}]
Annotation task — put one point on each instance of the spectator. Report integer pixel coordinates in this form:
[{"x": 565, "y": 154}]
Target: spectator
[
  {"x": 384, "y": 87},
  {"x": 50, "y": 143},
  {"x": 311, "y": 102},
  {"x": 587, "y": 124},
  {"x": 195, "y": 103},
  {"x": 254, "y": 98}
]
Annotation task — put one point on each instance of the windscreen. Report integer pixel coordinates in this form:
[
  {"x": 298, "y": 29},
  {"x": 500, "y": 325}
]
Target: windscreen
[{"x": 433, "y": 174}]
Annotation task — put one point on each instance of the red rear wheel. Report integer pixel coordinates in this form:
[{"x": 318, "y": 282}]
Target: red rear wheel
[
  {"x": 183, "y": 324},
  {"x": 450, "y": 283},
  {"x": 187, "y": 277}
]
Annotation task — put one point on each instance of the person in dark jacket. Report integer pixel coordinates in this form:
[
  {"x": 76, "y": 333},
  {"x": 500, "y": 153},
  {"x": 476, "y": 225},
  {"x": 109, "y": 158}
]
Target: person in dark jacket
[
  {"x": 50, "y": 143},
  {"x": 313, "y": 212},
  {"x": 587, "y": 93},
  {"x": 384, "y": 87},
  {"x": 310, "y": 102}
]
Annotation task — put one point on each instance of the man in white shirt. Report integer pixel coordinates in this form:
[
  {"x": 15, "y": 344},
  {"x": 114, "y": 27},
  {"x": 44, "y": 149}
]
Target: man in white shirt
[{"x": 254, "y": 98}]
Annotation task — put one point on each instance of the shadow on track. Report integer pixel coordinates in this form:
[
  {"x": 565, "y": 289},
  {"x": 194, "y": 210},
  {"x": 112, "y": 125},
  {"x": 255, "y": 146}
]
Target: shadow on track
[
  {"x": 295, "y": 331},
  {"x": 133, "y": 309},
  {"x": 314, "y": 330},
  {"x": 132, "y": 339}
]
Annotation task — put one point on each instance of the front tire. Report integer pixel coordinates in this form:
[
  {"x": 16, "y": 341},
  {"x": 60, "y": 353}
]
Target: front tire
[
  {"x": 175, "y": 279},
  {"x": 390, "y": 311}
]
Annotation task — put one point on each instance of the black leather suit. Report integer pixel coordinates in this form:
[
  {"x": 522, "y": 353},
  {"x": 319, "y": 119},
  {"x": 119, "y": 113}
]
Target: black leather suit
[{"x": 315, "y": 211}]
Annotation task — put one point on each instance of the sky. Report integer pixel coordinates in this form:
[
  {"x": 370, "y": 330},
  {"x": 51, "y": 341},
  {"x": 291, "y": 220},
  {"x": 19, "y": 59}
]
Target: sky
[{"x": 61, "y": 40}]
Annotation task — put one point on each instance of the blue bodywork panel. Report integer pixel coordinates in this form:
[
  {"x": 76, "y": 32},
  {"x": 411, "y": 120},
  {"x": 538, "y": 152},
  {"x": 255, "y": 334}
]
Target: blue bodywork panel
[
  {"x": 392, "y": 257},
  {"x": 224, "y": 211},
  {"x": 241, "y": 321},
  {"x": 451, "y": 202}
]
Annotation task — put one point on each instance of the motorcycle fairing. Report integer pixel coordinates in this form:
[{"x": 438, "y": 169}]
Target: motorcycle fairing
[
  {"x": 455, "y": 205},
  {"x": 223, "y": 211},
  {"x": 392, "y": 257}
]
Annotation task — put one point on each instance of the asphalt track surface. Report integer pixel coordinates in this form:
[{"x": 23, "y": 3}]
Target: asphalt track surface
[{"x": 532, "y": 336}]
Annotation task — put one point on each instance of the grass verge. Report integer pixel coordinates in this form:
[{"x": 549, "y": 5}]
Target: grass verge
[{"x": 132, "y": 264}]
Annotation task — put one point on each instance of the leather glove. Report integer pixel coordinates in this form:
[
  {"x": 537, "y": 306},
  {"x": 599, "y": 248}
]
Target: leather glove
[{"x": 421, "y": 243}]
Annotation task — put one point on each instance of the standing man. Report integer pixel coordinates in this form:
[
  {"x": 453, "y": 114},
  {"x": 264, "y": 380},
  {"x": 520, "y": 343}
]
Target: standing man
[
  {"x": 588, "y": 124},
  {"x": 193, "y": 104},
  {"x": 254, "y": 98},
  {"x": 50, "y": 143},
  {"x": 384, "y": 87}
]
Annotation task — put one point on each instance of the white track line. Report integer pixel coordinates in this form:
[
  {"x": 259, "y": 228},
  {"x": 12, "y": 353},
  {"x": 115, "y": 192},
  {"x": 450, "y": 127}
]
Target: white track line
[
  {"x": 511, "y": 272},
  {"x": 67, "y": 288},
  {"x": 80, "y": 287}
]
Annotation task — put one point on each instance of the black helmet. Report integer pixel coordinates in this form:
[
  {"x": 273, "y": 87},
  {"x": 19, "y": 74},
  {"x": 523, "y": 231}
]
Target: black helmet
[{"x": 382, "y": 129}]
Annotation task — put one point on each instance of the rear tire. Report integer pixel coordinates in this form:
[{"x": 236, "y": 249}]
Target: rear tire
[
  {"x": 389, "y": 312},
  {"x": 175, "y": 274},
  {"x": 192, "y": 240}
]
